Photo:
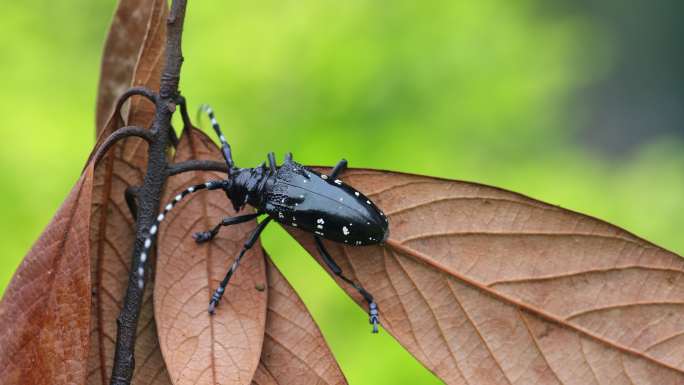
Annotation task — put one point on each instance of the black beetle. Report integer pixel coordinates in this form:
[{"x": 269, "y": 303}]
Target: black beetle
[{"x": 292, "y": 195}]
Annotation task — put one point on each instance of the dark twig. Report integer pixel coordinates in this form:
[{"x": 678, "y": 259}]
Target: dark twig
[
  {"x": 184, "y": 111},
  {"x": 195, "y": 165},
  {"x": 173, "y": 137},
  {"x": 131, "y": 194},
  {"x": 139, "y": 91},
  {"x": 121, "y": 133},
  {"x": 149, "y": 194}
]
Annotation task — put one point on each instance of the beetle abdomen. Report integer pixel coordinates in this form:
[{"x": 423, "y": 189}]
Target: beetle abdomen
[{"x": 303, "y": 198}]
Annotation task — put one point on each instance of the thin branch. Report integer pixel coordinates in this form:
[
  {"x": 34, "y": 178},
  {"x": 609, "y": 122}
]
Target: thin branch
[
  {"x": 133, "y": 91},
  {"x": 149, "y": 194},
  {"x": 121, "y": 133},
  {"x": 184, "y": 111},
  {"x": 173, "y": 136},
  {"x": 195, "y": 165}
]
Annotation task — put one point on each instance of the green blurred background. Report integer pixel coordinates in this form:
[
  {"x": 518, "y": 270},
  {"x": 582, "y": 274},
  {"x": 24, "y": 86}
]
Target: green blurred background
[{"x": 577, "y": 103}]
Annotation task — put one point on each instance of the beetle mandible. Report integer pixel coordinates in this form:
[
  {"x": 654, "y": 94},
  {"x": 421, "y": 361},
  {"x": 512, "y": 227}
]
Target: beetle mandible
[{"x": 292, "y": 195}]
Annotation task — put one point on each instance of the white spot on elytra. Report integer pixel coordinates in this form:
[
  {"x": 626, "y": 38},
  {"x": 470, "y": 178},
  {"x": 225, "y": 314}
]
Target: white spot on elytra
[
  {"x": 280, "y": 215},
  {"x": 345, "y": 230},
  {"x": 320, "y": 220},
  {"x": 324, "y": 176},
  {"x": 367, "y": 201},
  {"x": 294, "y": 224},
  {"x": 356, "y": 193},
  {"x": 319, "y": 233},
  {"x": 338, "y": 182},
  {"x": 340, "y": 199},
  {"x": 320, "y": 226},
  {"x": 358, "y": 243}
]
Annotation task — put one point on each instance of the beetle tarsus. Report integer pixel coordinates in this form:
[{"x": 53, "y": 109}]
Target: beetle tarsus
[
  {"x": 203, "y": 236},
  {"x": 215, "y": 298},
  {"x": 373, "y": 316}
]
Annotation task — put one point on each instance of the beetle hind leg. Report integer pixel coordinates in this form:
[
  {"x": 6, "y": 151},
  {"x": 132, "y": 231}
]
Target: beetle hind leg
[{"x": 373, "y": 314}]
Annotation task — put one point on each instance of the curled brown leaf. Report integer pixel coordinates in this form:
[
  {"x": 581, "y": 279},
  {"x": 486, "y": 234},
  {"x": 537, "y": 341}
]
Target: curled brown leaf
[
  {"x": 199, "y": 348},
  {"x": 294, "y": 351},
  {"x": 485, "y": 286},
  {"x": 134, "y": 22},
  {"x": 45, "y": 311}
]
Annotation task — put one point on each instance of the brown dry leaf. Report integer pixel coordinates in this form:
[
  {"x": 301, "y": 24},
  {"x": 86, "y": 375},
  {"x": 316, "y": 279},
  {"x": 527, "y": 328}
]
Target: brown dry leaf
[
  {"x": 126, "y": 35},
  {"x": 113, "y": 226},
  {"x": 294, "y": 351},
  {"x": 199, "y": 348},
  {"x": 45, "y": 311},
  {"x": 485, "y": 286}
]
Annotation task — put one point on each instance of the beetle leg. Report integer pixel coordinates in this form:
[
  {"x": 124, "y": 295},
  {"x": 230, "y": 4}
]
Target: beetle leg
[
  {"x": 341, "y": 166},
  {"x": 205, "y": 236},
  {"x": 216, "y": 297},
  {"x": 373, "y": 315}
]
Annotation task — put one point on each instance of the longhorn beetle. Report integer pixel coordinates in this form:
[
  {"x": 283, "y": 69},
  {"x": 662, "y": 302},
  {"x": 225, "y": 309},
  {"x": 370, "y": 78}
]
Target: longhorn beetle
[{"x": 292, "y": 195}]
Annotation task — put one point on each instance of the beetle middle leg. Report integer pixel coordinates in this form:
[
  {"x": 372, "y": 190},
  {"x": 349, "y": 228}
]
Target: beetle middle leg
[
  {"x": 373, "y": 316},
  {"x": 216, "y": 297},
  {"x": 205, "y": 236}
]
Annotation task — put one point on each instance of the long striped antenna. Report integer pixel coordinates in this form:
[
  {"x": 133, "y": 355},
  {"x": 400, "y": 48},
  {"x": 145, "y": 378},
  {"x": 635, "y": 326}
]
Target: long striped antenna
[
  {"x": 225, "y": 147},
  {"x": 151, "y": 236}
]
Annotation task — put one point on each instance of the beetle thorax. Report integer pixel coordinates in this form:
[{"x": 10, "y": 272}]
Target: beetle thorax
[{"x": 246, "y": 186}]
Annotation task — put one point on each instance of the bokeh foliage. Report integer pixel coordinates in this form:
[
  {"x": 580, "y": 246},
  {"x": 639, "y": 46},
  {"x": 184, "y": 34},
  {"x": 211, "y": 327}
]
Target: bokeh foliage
[{"x": 481, "y": 91}]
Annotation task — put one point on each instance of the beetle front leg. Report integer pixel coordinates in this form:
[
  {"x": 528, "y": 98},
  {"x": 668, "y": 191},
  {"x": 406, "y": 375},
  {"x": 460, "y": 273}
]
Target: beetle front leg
[{"x": 206, "y": 236}]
